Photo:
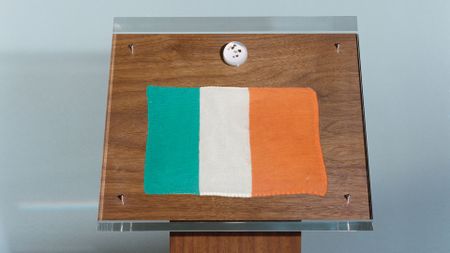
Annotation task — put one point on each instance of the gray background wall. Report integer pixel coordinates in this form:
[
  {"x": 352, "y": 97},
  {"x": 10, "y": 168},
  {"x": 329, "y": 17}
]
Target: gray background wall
[{"x": 54, "y": 59}]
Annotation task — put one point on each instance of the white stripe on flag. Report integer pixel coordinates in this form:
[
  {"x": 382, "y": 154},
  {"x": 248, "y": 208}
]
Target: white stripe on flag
[{"x": 224, "y": 149}]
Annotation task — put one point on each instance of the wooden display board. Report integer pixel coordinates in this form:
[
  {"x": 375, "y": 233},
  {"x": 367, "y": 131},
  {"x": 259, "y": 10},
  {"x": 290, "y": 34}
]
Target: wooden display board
[{"x": 328, "y": 63}]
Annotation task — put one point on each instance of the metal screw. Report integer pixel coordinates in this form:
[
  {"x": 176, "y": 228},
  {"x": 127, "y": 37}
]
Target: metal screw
[
  {"x": 122, "y": 198},
  {"x": 131, "y": 47},
  {"x": 348, "y": 197},
  {"x": 338, "y": 47}
]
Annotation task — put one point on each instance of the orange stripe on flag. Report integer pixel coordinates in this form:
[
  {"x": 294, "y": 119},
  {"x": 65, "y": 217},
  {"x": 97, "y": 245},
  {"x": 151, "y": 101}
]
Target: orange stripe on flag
[{"x": 285, "y": 142}]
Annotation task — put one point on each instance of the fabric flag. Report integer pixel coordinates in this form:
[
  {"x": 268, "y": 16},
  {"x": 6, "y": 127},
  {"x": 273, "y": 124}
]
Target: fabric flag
[{"x": 236, "y": 142}]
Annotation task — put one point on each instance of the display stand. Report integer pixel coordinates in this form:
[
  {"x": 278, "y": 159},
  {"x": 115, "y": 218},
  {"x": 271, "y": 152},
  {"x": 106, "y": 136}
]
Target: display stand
[{"x": 317, "y": 52}]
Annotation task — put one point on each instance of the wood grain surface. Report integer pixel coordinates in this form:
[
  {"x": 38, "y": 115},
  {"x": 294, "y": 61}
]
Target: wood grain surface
[
  {"x": 235, "y": 242},
  {"x": 277, "y": 60}
]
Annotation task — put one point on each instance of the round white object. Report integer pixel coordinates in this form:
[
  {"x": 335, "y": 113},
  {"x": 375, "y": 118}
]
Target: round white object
[{"x": 234, "y": 53}]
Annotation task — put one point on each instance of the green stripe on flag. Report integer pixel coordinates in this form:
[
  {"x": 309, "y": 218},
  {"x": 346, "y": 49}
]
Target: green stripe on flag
[{"x": 172, "y": 159}]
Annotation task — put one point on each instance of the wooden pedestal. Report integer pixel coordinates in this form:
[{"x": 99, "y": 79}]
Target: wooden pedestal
[{"x": 235, "y": 242}]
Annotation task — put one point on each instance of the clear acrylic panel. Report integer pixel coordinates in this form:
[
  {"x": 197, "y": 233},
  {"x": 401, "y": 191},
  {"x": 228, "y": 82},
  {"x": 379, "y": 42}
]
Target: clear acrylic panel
[{"x": 235, "y": 25}]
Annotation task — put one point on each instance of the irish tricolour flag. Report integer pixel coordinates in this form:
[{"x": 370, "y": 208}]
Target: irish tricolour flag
[{"x": 236, "y": 142}]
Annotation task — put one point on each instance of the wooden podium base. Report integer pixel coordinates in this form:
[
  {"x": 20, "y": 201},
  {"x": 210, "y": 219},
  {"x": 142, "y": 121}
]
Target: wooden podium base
[{"x": 236, "y": 242}]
